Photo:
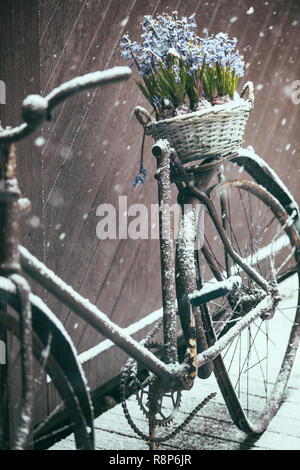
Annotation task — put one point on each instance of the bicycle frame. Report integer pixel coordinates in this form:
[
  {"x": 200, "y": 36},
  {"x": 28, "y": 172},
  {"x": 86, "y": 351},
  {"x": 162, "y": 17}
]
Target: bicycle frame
[
  {"x": 170, "y": 377},
  {"x": 14, "y": 258}
]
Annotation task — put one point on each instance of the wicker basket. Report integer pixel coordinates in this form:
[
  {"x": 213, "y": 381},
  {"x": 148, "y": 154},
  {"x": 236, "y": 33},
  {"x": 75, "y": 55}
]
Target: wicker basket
[{"x": 212, "y": 131}]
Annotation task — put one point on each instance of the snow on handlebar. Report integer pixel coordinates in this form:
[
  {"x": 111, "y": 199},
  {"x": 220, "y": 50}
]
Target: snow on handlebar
[{"x": 36, "y": 109}]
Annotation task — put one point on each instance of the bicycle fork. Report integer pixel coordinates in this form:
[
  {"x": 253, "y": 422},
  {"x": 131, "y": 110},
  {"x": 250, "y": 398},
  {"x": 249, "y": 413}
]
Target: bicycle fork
[
  {"x": 180, "y": 279},
  {"x": 187, "y": 280}
]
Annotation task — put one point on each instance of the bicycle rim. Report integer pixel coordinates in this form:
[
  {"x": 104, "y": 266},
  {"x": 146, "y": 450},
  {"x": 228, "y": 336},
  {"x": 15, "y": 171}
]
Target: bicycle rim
[
  {"x": 50, "y": 385},
  {"x": 253, "y": 371}
]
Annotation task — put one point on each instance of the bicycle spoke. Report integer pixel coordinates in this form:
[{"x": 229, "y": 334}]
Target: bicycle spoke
[
  {"x": 257, "y": 232},
  {"x": 217, "y": 261},
  {"x": 51, "y": 434},
  {"x": 40, "y": 427}
]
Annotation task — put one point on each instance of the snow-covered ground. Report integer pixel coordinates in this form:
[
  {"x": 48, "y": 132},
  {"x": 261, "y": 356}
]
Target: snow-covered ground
[{"x": 213, "y": 427}]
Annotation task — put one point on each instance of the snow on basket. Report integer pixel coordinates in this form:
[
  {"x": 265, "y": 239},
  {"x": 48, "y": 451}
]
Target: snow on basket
[{"x": 210, "y": 131}]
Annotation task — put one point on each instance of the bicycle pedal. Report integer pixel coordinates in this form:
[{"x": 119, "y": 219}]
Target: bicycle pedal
[{"x": 214, "y": 290}]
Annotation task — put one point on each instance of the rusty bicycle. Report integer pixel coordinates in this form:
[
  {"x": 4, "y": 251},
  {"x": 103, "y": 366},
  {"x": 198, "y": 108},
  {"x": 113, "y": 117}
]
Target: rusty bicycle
[{"x": 226, "y": 298}]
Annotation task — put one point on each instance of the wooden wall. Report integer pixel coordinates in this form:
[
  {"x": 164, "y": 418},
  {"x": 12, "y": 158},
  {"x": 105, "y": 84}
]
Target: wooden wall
[{"x": 91, "y": 149}]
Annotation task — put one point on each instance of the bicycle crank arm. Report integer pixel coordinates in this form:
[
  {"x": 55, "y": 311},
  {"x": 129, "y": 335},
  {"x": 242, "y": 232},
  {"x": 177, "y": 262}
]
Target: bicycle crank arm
[{"x": 213, "y": 290}]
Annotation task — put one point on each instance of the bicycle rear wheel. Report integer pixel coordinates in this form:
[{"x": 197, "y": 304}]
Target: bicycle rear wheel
[
  {"x": 57, "y": 407},
  {"x": 253, "y": 371}
]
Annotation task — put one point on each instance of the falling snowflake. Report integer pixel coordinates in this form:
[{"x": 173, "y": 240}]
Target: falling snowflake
[
  {"x": 288, "y": 91},
  {"x": 39, "y": 141},
  {"x": 34, "y": 221},
  {"x": 124, "y": 22}
]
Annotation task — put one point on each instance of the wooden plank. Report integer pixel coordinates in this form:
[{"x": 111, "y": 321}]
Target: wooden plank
[
  {"x": 55, "y": 163},
  {"x": 105, "y": 353},
  {"x": 91, "y": 157},
  {"x": 132, "y": 253},
  {"x": 53, "y": 69},
  {"x": 274, "y": 62},
  {"x": 97, "y": 35},
  {"x": 77, "y": 59},
  {"x": 91, "y": 239},
  {"x": 19, "y": 68},
  {"x": 47, "y": 14},
  {"x": 128, "y": 249}
]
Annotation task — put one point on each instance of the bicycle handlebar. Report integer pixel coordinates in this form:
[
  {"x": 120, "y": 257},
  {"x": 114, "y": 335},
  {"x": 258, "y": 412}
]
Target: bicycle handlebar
[{"x": 36, "y": 109}]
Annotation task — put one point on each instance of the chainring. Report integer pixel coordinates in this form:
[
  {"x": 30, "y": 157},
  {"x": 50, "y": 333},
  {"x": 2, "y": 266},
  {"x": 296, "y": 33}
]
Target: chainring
[
  {"x": 166, "y": 405},
  {"x": 139, "y": 381}
]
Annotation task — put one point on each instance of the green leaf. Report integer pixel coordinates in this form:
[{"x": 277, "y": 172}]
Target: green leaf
[
  {"x": 183, "y": 81},
  {"x": 150, "y": 86},
  {"x": 143, "y": 90},
  {"x": 169, "y": 87},
  {"x": 191, "y": 90},
  {"x": 169, "y": 77},
  {"x": 209, "y": 82},
  {"x": 206, "y": 87}
]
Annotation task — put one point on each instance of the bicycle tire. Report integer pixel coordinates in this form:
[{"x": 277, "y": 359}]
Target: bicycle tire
[
  {"x": 271, "y": 244},
  {"x": 261, "y": 173},
  {"x": 77, "y": 419}
]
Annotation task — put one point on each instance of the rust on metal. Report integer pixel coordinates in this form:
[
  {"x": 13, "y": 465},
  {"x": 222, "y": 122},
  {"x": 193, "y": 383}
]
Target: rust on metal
[
  {"x": 192, "y": 347},
  {"x": 162, "y": 151},
  {"x": 9, "y": 195}
]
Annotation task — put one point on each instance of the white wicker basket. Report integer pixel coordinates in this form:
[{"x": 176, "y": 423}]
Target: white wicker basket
[{"x": 212, "y": 131}]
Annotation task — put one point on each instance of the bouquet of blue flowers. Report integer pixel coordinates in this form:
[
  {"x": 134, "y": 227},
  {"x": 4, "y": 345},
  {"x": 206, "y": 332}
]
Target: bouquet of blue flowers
[
  {"x": 190, "y": 81},
  {"x": 181, "y": 72}
]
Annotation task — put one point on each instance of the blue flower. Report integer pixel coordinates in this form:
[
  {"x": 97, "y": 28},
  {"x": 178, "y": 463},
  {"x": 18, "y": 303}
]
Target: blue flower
[
  {"x": 156, "y": 101},
  {"x": 237, "y": 64},
  {"x": 125, "y": 47},
  {"x": 147, "y": 22},
  {"x": 140, "y": 177},
  {"x": 220, "y": 49},
  {"x": 170, "y": 45}
]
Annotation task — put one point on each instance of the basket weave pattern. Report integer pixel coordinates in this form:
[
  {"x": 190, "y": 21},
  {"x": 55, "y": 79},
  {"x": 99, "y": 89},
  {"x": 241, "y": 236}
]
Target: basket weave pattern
[{"x": 213, "y": 131}]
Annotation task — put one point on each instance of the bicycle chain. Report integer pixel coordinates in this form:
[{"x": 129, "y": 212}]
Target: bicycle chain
[
  {"x": 140, "y": 391},
  {"x": 179, "y": 428},
  {"x": 130, "y": 371}
]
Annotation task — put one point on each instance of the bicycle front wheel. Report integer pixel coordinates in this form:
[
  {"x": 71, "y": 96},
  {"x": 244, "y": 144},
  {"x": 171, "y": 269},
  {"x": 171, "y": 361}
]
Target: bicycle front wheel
[
  {"x": 58, "y": 408},
  {"x": 253, "y": 371}
]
